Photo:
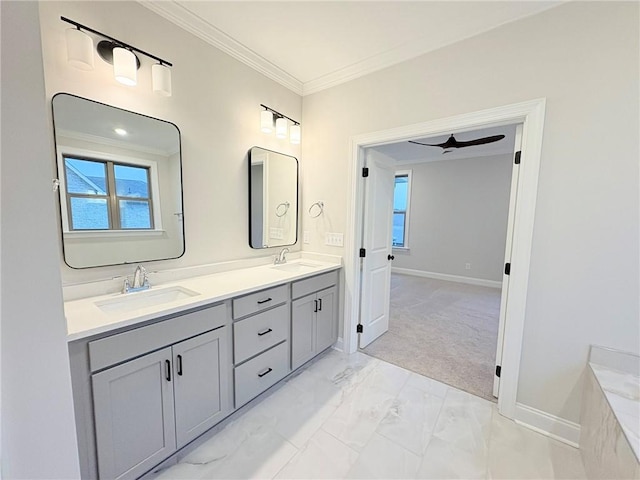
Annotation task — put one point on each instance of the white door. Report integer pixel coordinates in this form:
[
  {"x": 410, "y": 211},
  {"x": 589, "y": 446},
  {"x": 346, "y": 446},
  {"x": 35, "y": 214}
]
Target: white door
[
  {"x": 513, "y": 198},
  {"x": 376, "y": 265}
]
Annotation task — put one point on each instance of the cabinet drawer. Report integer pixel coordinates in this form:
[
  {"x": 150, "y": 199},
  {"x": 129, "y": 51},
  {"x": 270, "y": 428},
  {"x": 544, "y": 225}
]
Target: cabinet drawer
[
  {"x": 256, "y": 302},
  {"x": 123, "y": 346},
  {"x": 258, "y": 374},
  {"x": 313, "y": 284},
  {"x": 260, "y": 332}
]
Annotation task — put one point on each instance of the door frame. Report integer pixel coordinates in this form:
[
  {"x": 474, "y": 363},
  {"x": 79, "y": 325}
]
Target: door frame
[{"x": 531, "y": 115}]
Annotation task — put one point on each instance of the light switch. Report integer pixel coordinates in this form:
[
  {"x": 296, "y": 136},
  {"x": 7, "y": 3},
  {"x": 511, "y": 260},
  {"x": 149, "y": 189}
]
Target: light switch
[
  {"x": 334, "y": 239},
  {"x": 306, "y": 237}
]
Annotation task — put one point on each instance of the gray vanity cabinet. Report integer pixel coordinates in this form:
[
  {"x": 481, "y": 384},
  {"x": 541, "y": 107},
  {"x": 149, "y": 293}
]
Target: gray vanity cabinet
[
  {"x": 146, "y": 407},
  {"x": 133, "y": 405},
  {"x": 313, "y": 317}
]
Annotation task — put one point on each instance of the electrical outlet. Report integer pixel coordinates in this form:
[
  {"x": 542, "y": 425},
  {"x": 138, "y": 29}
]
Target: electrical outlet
[
  {"x": 334, "y": 239},
  {"x": 467, "y": 266},
  {"x": 306, "y": 237}
]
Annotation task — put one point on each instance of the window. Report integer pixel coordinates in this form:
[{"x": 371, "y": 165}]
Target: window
[
  {"x": 106, "y": 195},
  {"x": 401, "y": 209}
]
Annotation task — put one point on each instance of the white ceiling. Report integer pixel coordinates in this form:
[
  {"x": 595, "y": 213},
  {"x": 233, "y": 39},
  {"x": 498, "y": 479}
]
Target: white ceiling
[
  {"x": 311, "y": 45},
  {"x": 405, "y": 152}
]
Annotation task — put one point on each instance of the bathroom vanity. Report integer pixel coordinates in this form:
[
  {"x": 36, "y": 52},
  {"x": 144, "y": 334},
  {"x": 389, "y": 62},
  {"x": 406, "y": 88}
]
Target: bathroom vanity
[{"x": 149, "y": 377}]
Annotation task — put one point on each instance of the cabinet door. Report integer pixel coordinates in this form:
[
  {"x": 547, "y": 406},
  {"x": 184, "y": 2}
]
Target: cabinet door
[
  {"x": 303, "y": 330},
  {"x": 326, "y": 331},
  {"x": 133, "y": 405},
  {"x": 201, "y": 383}
]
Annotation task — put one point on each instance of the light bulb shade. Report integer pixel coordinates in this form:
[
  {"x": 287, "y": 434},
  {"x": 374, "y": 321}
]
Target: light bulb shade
[
  {"x": 79, "y": 49},
  {"x": 125, "y": 66},
  {"x": 161, "y": 79},
  {"x": 266, "y": 121},
  {"x": 294, "y": 134},
  {"x": 281, "y": 127}
]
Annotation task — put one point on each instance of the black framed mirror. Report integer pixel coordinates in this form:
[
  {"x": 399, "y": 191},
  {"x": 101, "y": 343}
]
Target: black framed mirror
[
  {"x": 120, "y": 184},
  {"x": 273, "y": 198}
]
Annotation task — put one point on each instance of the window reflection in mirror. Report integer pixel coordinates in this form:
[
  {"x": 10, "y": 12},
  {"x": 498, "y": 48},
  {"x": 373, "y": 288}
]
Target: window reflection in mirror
[
  {"x": 120, "y": 184},
  {"x": 273, "y": 199}
]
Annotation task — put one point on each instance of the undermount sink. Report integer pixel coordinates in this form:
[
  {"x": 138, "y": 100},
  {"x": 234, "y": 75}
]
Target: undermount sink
[
  {"x": 297, "y": 267},
  {"x": 148, "y": 298}
]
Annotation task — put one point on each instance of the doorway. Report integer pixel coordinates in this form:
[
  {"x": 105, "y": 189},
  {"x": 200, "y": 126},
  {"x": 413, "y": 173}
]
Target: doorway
[
  {"x": 531, "y": 115},
  {"x": 450, "y": 224}
]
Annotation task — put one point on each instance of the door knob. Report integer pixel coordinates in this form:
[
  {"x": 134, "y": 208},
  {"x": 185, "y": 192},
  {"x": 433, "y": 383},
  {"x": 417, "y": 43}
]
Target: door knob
[{"x": 390, "y": 257}]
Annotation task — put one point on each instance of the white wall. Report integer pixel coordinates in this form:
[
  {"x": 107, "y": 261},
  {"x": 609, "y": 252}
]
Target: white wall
[
  {"x": 38, "y": 428},
  {"x": 459, "y": 211},
  {"x": 584, "y": 58},
  {"x": 215, "y": 104}
]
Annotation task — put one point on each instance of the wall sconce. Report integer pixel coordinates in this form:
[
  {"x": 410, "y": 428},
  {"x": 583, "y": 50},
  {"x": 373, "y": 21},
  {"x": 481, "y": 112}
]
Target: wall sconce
[
  {"x": 121, "y": 55},
  {"x": 267, "y": 117}
]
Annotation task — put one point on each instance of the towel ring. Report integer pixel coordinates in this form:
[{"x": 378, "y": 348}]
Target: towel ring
[
  {"x": 320, "y": 209},
  {"x": 282, "y": 209}
]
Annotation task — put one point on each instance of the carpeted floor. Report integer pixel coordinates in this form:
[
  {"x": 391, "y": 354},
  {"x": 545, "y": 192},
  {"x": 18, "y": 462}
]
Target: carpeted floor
[{"x": 447, "y": 331}]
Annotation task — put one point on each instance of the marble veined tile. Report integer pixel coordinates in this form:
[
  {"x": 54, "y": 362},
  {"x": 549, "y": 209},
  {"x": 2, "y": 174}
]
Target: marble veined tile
[
  {"x": 324, "y": 456},
  {"x": 516, "y": 452},
  {"x": 428, "y": 385},
  {"x": 411, "y": 419},
  {"x": 465, "y": 421},
  {"x": 344, "y": 371},
  {"x": 382, "y": 459},
  {"x": 442, "y": 460},
  {"x": 358, "y": 416}
]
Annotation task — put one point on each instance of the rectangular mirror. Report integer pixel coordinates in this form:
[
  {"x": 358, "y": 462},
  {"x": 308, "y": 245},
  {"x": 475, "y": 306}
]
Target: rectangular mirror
[
  {"x": 273, "y": 199},
  {"x": 120, "y": 177}
]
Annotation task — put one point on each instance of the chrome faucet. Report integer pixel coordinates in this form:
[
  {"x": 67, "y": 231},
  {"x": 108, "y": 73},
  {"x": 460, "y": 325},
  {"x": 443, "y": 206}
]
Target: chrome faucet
[
  {"x": 281, "y": 257},
  {"x": 140, "y": 281}
]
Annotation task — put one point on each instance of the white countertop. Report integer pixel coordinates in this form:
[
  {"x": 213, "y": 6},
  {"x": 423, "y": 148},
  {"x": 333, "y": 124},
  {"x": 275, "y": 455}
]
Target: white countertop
[{"x": 85, "y": 318}]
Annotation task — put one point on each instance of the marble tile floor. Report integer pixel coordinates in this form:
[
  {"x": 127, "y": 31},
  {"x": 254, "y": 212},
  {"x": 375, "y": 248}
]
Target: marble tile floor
[{"x": 354, "y": 416}]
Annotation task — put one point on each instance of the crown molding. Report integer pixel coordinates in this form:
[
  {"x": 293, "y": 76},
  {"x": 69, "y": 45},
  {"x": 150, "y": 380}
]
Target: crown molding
[{"x": 186, "y": 20}]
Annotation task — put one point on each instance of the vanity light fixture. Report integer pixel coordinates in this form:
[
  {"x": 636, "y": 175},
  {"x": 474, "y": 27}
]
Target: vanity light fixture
[
  {"x": 267, "y": 117},
  {"x": 121, "y": 55}
]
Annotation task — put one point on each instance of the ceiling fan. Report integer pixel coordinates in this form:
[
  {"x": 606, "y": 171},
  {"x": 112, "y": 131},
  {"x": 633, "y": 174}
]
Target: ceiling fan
[{"x": 453, "y": 143}]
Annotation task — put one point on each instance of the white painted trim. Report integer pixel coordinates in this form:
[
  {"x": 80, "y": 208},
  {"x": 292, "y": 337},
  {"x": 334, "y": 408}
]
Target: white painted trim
[
  {"x": 447, "y": 277},
  {"x": 531, "y": 115},
  {"x": 547, "y": 424},
  {"x": 339, "y": 345},
  {"x": 186, "y": 20}
]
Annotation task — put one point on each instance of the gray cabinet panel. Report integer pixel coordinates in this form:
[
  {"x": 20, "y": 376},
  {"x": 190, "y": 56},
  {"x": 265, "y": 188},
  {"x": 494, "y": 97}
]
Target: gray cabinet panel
[
  {"x": 133, "y": 407},
  {"x": 201, "y": 384},
  {"x": 123, "y": 346},
  {"x": 258, "y": 374},
  {"x": 302, "y": 330},
  {"x": 260, "y": 332},
  {"x": 326, "y": 324},
  {"x": 257, "y": 302},
  {"x": 314, "y": 284}
]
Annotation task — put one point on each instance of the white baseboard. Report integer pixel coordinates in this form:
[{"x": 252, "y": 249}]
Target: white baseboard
[
  {"x": 549, "y": 425},
  {"x": 339, "y": 345},
  {"x": 449, "y": 278}
]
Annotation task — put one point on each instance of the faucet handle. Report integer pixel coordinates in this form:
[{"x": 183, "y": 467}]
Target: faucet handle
[{"x": 127, "y": 286}]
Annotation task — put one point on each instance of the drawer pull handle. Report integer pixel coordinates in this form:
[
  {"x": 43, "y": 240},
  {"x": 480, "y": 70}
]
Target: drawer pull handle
[
  {"x": 265, "y": 332},
  {"x": 180, "y": 365},
  {"x": 320, "y": 308},
  {"x": 167, "y": 364},
  {"x": 268, "y": 370},
  {"x": 260, "y": 302},
  {"x": 315, "y": 308}
]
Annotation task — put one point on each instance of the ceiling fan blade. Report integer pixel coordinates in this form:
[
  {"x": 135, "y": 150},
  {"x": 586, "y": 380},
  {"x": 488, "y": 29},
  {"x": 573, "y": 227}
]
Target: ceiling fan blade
[
  {"x": 453, "y": 143},
  {"x": 479, "y": 141},
  {"x": 441, "y": 145}
]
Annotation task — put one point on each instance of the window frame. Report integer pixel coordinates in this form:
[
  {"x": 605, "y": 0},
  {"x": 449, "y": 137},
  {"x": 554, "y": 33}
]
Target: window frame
[
  {"x": 112, "y": 198},
  {"x": 406, "y": 212}
]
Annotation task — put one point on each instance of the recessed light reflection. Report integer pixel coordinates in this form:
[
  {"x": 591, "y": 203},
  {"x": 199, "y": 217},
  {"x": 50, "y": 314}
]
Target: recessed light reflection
[{"x": 120, "y": 131}]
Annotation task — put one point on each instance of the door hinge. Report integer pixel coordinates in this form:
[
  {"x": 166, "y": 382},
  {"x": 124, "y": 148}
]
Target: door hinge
[
  {"x": 507, "y": 269},
  {"x": 363, "y": 253},
  {"x": 365, "y": 172},
  {"x": 359, "y": 329},
  {"x": 518, "y": 155},
  {"x": 498, "y": 370}
]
